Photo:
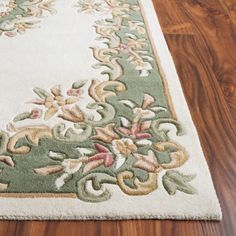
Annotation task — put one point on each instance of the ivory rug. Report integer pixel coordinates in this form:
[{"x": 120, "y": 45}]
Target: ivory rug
[{"x": 94, "y": 124}]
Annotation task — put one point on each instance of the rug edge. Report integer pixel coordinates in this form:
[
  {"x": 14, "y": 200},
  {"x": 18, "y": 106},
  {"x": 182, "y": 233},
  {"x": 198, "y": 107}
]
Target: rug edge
[
  {"x": 145, "y": 4},
  {"x": 210, "y": 217}
]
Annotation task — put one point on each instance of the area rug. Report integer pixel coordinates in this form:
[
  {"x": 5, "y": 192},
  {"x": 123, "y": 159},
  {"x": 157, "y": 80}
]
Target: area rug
[{"x": 94, "y": 123}]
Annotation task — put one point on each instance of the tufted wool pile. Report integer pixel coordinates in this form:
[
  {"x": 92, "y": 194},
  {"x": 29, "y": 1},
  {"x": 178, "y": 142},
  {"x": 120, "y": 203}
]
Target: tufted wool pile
[{"x": 93, "y": 120}]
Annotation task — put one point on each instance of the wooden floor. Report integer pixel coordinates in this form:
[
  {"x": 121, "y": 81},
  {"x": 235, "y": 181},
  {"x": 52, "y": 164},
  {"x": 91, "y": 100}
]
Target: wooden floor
[{"x": 201, "y": 35}]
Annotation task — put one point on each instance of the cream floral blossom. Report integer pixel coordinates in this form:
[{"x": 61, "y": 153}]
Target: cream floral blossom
[
  {"x": 52, "y": 102},
  {"x": 147, "y": 162},
  {"x": 122, "y": 149}
]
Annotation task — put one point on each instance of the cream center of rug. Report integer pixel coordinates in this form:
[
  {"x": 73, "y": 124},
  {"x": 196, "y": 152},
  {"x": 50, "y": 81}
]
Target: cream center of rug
[{"x": 55, "y": 52}]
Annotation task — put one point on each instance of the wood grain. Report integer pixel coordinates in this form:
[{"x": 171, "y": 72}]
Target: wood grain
[{"x": 201, "y": 35}]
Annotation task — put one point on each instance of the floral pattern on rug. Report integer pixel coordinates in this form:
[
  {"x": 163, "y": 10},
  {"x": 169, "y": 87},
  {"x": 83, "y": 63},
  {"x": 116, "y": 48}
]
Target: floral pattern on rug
[
  {"x": 128, "y": 146},
  {"x": 17, "y": 16},
  {"x": 132, "y": 44}
]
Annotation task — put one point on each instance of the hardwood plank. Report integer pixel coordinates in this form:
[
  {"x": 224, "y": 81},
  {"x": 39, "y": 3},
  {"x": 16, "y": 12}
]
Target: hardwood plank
[
  {"x": 7, "y": 227},
  {"x": 201, "y": 35},
  {"x": 197, "y": 65},
  {"x": 230, "y": 7},
  {"x": 210, "y": 22},
  {"x": 174, "y": 22},
  {"x": 218, "y": 36}
]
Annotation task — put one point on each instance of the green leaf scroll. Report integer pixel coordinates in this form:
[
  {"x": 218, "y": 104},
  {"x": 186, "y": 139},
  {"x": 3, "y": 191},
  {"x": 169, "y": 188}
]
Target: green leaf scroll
[{"x": 174, "y": 180}]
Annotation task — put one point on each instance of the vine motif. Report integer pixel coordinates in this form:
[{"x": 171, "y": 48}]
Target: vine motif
[
  {"x": 129, "y": 150},
  {"x": 18, "y": 16},
  {"x": 133, "y": 45}
]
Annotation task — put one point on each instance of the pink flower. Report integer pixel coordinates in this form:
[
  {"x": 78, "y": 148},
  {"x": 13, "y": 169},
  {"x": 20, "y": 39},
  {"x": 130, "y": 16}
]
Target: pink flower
[
  {"x": 10, "y": 34},
  {"x": 4, "y": 13},
  {"x": 104, "y": 154},
  {"x": 124, "y": 48},
  {"x": 135, "y": 132},
  {"x": 35, "y": 114},
  {"x": 74, "y": 92},
  {"x": 104, "y": 157}
]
